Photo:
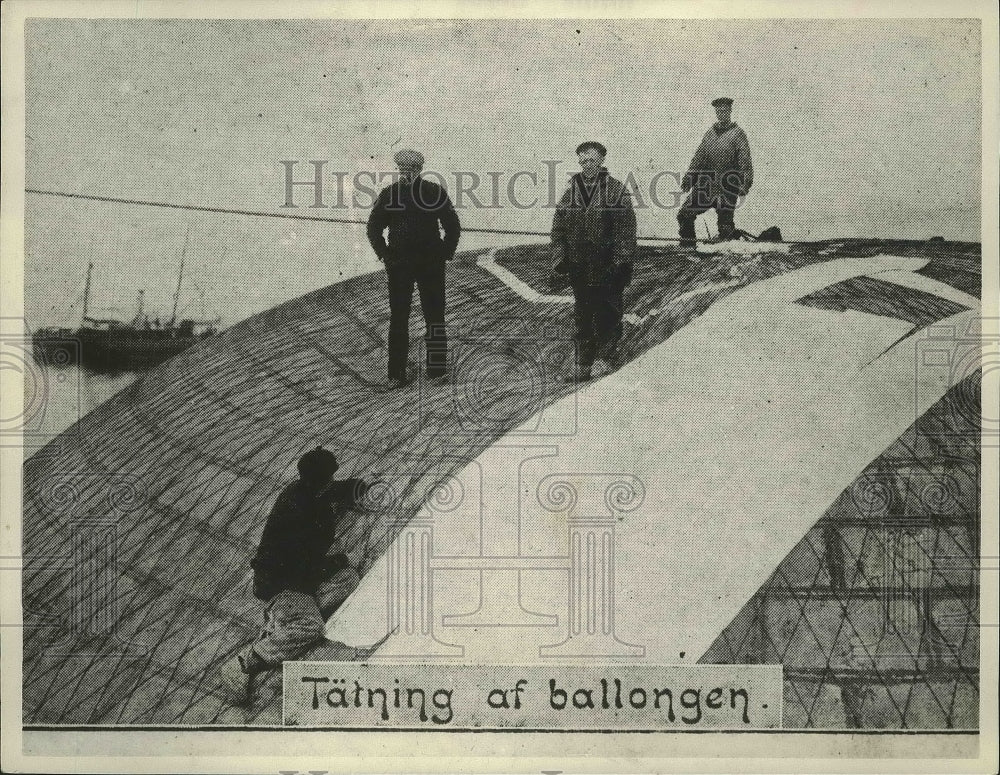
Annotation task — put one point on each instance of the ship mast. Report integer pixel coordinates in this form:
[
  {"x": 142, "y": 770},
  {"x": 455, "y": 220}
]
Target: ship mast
[
  {"x": 180, "y": 275},
  {"x": 86, "y": 290},
  {"x": 137, "y": 320}
]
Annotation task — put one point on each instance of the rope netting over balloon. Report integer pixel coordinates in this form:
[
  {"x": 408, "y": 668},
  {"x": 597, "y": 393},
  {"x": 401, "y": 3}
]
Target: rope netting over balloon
[
  {"x": 875, "y": 613},
  {"x": 140, "y": 521}
]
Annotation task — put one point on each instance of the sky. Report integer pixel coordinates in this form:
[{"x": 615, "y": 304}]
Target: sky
[{"x": 857, "y": 128}]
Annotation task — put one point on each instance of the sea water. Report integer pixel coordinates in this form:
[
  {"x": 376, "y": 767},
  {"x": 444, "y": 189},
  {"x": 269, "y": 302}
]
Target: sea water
[{"x": 202, "y": 114}]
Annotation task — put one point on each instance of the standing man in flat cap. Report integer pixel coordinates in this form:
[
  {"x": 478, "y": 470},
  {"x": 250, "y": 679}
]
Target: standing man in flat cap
[
  {"x": 414, "y": 211},
  {"x": 719, "y": 173},
  {"x": 593, "y": 247}
]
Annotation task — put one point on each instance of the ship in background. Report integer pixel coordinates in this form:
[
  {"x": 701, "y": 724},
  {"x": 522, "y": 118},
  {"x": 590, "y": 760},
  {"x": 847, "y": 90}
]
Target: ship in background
[
  {"x": 867, "y": 596},
  {"x": 109, "y": 344}
]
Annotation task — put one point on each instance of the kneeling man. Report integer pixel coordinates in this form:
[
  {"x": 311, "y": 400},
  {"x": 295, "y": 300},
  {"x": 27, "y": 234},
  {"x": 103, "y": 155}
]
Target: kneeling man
[{"x": 295, "y": 573}]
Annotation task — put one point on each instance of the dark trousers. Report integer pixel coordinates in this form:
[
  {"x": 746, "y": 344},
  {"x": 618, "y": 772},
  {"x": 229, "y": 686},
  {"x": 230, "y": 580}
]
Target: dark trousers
[
  {"x": 698, "y": 202},
  {"x": 428, "y": 276},
  {"x": 597, "y": 312}
]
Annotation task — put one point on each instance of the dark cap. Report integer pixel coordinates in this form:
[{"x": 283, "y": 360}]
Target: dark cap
[
  {"x": 727, "y": 101},
  {"x": 317, "y": 464},
  {"x": 592, "y": 144}
]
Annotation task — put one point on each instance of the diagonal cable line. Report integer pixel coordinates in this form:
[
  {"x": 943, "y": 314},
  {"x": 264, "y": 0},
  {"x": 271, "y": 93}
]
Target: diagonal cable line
[{"x": 282, "y": 216}]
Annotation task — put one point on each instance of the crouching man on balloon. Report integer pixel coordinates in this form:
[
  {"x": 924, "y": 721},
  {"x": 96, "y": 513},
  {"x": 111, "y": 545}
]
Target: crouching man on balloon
[{"x": 299, "y": 572}]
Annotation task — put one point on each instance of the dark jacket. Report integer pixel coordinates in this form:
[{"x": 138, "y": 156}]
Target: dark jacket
[
  {"x": 299, "y": 531},
  {"x": 594, "y": 231},
  {"x": 411, "y": 212},
  {"x": 721, "y": 164}
]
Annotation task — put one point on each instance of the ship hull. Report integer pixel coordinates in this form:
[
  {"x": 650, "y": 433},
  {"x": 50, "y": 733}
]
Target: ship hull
[
  {"x": 112, "y": 350},
  {"x": 743, "y": 487}
]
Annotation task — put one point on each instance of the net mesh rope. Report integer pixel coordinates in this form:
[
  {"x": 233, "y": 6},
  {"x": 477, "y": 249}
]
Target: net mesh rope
[
  {"x": 875, "y": 613},
  {"x": 141, "y": 519}
]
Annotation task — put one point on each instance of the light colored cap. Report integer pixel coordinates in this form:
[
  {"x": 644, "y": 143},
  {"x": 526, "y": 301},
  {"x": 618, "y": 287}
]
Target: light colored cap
[{"x": 408, "y": 156}]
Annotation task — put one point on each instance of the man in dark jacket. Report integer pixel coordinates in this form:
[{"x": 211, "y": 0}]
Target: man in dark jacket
[
  {"x": 412, "y": 209},
  {"x": 298, "y": 571},
  {"x": 593, "y": 247},
  {"x": 720, "y": 172}
]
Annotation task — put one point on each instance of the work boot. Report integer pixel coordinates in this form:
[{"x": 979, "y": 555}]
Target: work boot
[
  {"x": 689, "y": 249},
  {"x": 580, "y": 375}
]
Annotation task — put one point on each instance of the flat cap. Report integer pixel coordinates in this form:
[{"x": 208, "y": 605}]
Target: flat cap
[
  {"x": 592, "y": 144},
  {"x": 409, "y": 156},
  {"x": 727, "y": 101}
]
